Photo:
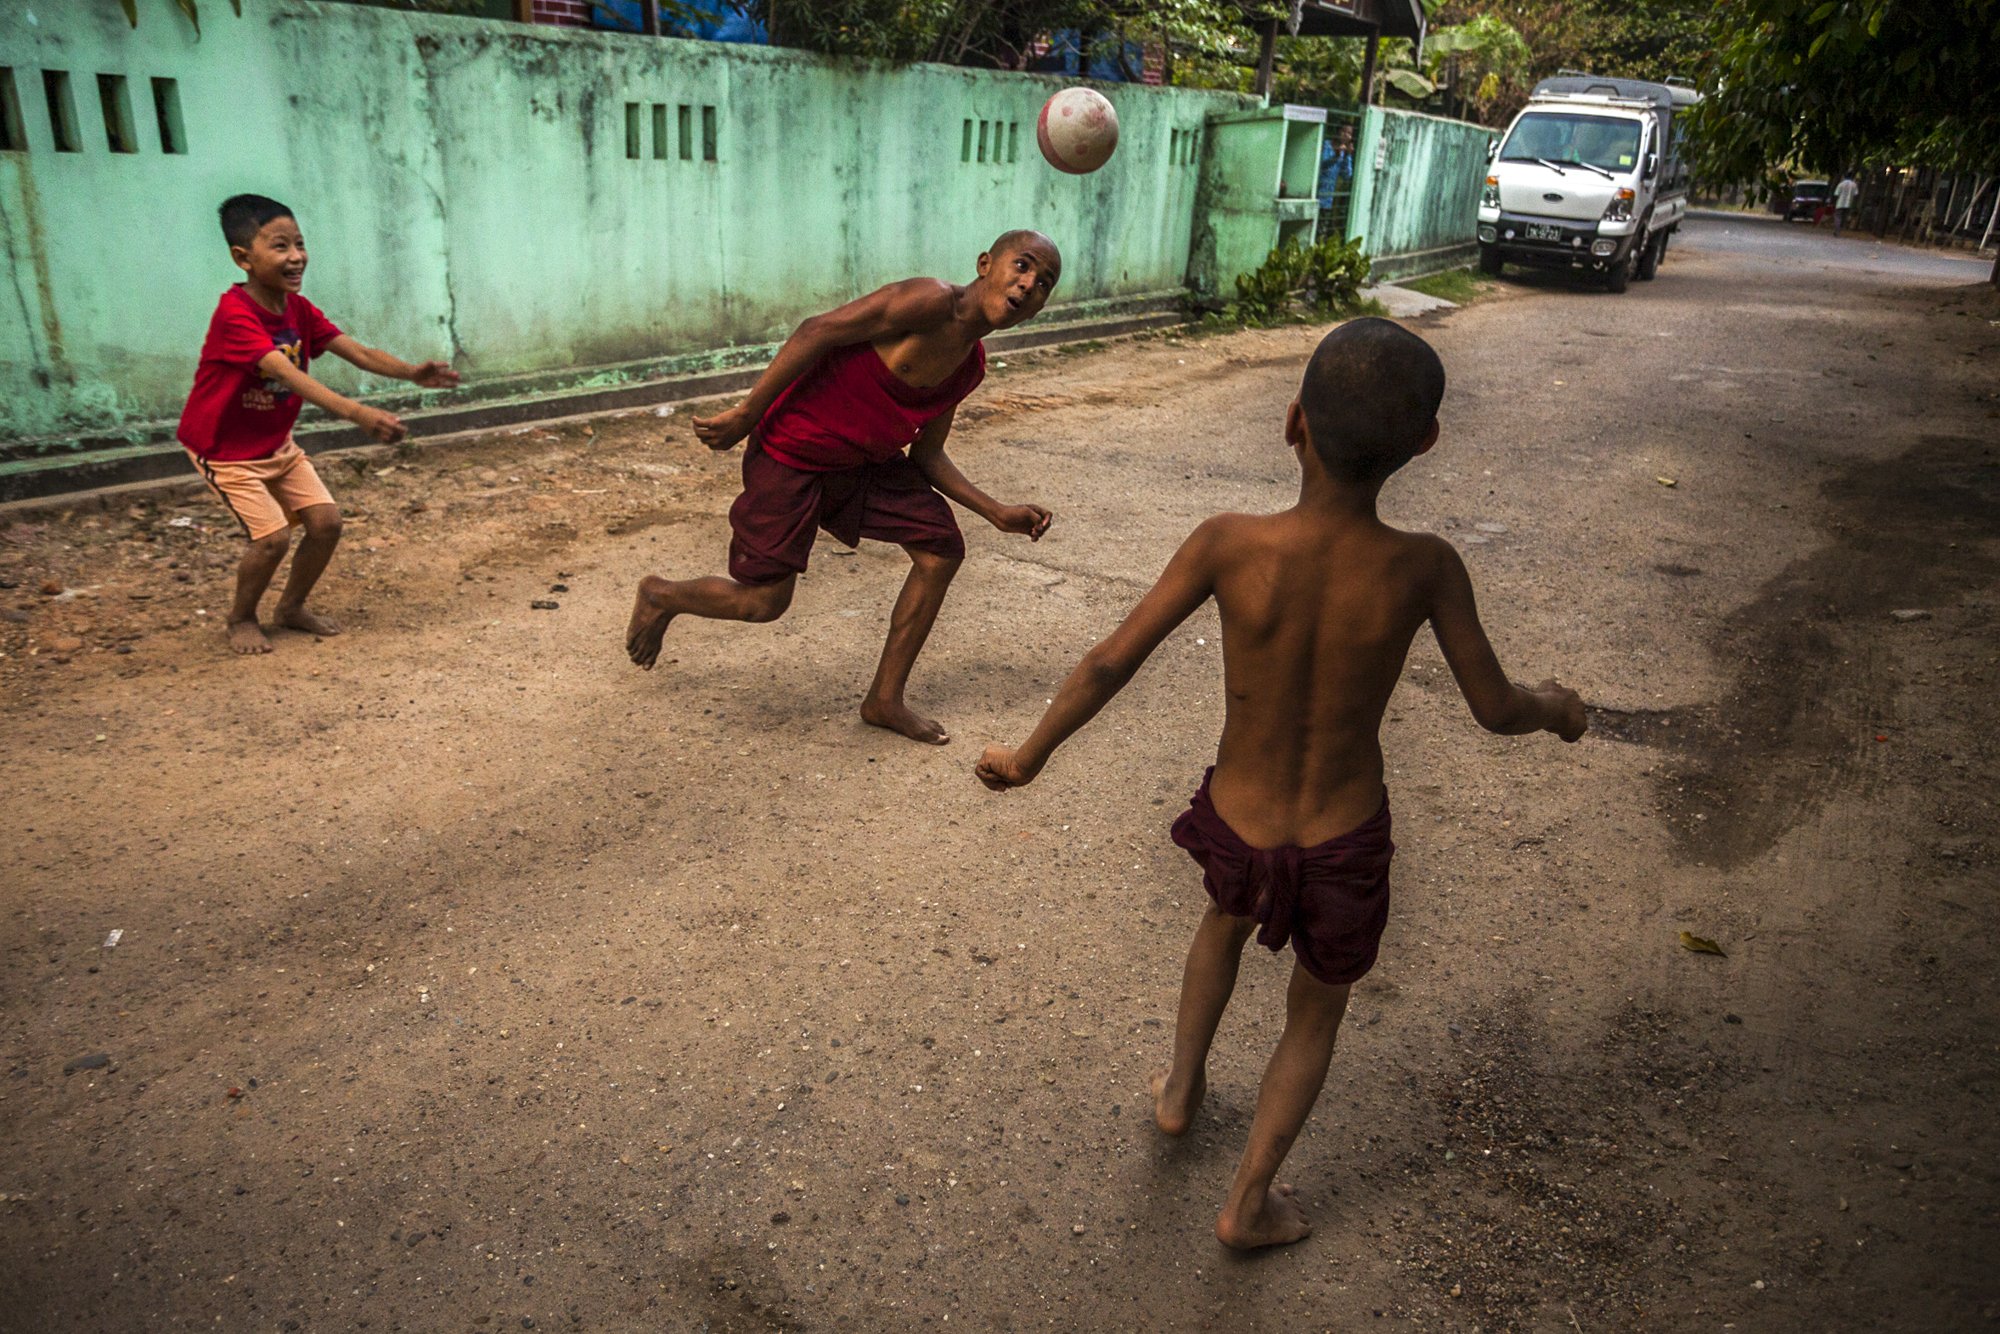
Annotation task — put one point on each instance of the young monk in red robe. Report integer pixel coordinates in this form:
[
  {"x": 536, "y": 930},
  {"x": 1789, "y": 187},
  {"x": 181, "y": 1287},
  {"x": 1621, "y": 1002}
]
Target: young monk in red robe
[
  {"x": 1291, "y": 824},
  {"x": 828, "y": 422}
]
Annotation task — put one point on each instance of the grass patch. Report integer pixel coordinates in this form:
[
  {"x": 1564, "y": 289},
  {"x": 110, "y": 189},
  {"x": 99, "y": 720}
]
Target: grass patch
[{"x": 1460, "y": 285}]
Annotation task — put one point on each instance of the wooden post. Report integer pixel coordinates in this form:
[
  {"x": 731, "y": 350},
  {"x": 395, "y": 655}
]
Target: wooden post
[
  {"x": 1267, "y": 57},
  {"x": 649, "y": 18},
  {"x": 1368, "y": 68},
  {"x": 524, "y": 11}
]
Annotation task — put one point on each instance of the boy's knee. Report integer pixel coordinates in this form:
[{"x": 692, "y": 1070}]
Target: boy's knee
[
  {"x": 1315, "y": 1004},
  {"x": 271, "y": 546},
  {"x": 1236, "y": 929},
  {"x": 936, "y": 565},
  {"x": 769, "y": 602},
  {"x": 322, "y": 522}
]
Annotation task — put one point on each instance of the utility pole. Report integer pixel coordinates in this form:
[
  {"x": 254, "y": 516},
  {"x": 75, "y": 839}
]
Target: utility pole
[
  {"x": 1368, "y": 66},
  {"x": 1267, "y": 57}
]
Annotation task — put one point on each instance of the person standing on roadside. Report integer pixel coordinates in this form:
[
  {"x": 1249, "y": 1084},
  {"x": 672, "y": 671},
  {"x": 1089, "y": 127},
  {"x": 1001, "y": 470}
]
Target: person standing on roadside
[{"x": 1844, "y": 196}]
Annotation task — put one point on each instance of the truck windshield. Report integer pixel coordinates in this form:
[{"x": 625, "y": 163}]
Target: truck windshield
[{"x": 1605, "y": 142}]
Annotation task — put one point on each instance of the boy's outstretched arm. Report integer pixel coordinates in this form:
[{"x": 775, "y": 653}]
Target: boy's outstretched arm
[
  {"x": 429, "y": 374},
  {"x": 1498, "y": 704},
  {"x": 1184, "y": 585},
  {"x": 384, "y": 426},
  {"x": 914, "y": 303},
  {"x": 927, "y": 452}
]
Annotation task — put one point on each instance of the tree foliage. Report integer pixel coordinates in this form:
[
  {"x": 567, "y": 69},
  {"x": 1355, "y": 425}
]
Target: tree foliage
[
  {"x": 1466, "y": 69},
  {"x": 1199, "y": 34},
  {"x": 1841, "y": 83},
  {"x": 1638, "y": 39}
]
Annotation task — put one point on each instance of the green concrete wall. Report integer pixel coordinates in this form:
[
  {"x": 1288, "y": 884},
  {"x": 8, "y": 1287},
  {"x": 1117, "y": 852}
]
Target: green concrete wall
[
  {"x": 1257, "y": 184},
  {"x": 464, "y": 189},
  {"x": 1416, "y": 191}
]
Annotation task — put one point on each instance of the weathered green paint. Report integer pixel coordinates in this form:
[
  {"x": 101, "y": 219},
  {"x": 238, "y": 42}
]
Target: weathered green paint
[
  {"x": 1416, "y": 191},
  {"x": 1257, "y": 189},
  {"x": 464, "y": 188}
]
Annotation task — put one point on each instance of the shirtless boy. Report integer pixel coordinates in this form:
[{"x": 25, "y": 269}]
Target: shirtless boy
[
  {"x": 828, "y": 422},
  {"x": 1291, "y": 824}
]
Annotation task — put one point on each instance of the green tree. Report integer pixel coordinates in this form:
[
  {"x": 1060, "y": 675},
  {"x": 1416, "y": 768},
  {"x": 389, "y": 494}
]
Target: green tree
[
  {"x": 1851, "y": 83},
  {"x": 1467, "y": 69},
  {"x": 1196, "y": 37},
  {"x": 1638, "y": 39}
]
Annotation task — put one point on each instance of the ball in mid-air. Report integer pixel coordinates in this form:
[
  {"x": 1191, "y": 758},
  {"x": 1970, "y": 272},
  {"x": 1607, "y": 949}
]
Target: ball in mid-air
[{"x": 1077, "y": 130}]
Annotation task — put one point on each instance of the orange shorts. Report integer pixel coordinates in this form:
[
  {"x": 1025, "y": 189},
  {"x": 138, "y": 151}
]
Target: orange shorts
[{"x": 265, "y": 495}]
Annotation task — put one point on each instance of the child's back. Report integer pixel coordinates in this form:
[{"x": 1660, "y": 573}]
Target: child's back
[
  {"x": 1291, "y": 826},
  {"x": 1318, "y": 613}
]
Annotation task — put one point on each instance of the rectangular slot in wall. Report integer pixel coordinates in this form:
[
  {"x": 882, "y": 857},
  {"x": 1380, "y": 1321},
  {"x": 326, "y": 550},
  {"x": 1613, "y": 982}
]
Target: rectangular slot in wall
[
  {"x": 708, "y": 134},
  {"x": 167, "y": 111},
  {"x": 632, "y": 129},
  {"x": 13, "y": 138},
  {"x": 660, "y": 130},
  {"x": 116, "y": 102},
  {"x": 965, "y": 141},
  {"x": 984, "y": 126},
  {"x": 1013, "y": 129},
  {"x": 687, "y": 132},
  {"x": 62, "y": 110}
]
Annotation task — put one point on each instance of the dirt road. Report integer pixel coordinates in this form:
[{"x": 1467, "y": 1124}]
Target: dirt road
[{"x": 471, "y": 979}]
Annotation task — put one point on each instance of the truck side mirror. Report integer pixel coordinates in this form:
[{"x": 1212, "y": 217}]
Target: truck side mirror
[{"x": 1652, "y": 165}]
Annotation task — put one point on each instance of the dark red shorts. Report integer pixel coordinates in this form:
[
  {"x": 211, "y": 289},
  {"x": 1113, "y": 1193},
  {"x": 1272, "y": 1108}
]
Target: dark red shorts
[
  {"x": 772, "y": 523},
  {"x": 1331, "y": 901}
]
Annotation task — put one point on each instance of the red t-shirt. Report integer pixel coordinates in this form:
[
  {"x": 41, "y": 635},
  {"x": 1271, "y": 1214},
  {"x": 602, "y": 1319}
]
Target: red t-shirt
[
  {"x": 851, "y": 409},
  {"x": 234, "y": 412}
]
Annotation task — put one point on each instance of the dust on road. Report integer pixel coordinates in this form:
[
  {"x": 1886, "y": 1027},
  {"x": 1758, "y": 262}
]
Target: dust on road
[{"x": 470, "y": 978}]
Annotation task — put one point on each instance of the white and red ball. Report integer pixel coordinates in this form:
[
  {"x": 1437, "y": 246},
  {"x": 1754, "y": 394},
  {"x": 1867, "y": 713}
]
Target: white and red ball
[{"x": 1077, "y": 130}]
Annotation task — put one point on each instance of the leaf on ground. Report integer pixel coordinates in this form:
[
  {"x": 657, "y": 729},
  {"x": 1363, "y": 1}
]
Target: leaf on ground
[
  {"x": 1668, "y": 481},
  {"x": 1690, "y": 941}
]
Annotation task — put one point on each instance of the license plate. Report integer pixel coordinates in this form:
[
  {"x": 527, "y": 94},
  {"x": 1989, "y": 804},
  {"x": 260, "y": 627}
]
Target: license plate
[{"x": 1543, "y": 231}]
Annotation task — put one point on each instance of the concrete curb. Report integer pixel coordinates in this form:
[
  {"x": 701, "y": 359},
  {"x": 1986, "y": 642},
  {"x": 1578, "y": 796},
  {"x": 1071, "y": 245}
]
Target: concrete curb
[
  {"x": 55, "y": 476},
  {"x": 42, "y": 483}
]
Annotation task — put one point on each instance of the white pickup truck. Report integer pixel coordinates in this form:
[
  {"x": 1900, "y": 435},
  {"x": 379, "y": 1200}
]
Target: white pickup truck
[{"x": 1590, "y": 177}]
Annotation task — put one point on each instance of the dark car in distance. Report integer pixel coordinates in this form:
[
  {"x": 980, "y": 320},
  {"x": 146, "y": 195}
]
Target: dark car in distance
[{"x": 1807, "y": 200}]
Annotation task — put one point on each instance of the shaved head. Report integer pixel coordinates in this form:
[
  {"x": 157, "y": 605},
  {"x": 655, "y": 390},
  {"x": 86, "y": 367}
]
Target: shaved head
[
  {"x": 1370, "y": 397},
  {"x": 1023, "y": 238}
]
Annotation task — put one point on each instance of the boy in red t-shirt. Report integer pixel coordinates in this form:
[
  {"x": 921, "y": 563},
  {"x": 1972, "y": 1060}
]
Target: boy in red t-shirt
[
  {"x": 828, "y": 422},
  {"x": 237, "y": 426}
]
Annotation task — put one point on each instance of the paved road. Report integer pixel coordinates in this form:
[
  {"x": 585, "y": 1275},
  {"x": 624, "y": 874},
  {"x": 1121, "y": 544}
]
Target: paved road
[{"x": 1762, "y": 243}]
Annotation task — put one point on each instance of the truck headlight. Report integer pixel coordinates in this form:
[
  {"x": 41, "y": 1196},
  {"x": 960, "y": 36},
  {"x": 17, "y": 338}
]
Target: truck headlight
[
  {"x": 1620, "y": 207},
  {"x": 1489, "y": 197}
]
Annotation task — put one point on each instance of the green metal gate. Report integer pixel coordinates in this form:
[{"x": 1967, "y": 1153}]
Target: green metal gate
[
  {"x": 1416, "y": 191},
  {"x": 1336, "y": 171}
]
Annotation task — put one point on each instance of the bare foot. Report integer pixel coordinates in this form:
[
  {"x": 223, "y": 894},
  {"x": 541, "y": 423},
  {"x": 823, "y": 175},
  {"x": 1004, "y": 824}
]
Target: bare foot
[
  {"x": 1278, "y": 1222},
  {"x": 896, "y": 716},
  {"x": 298, "y": 618},
  {"x": 247, "y": 637},
  {"x": 648, "y": 626},
  {"x": 1174, "y": 1108}
]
